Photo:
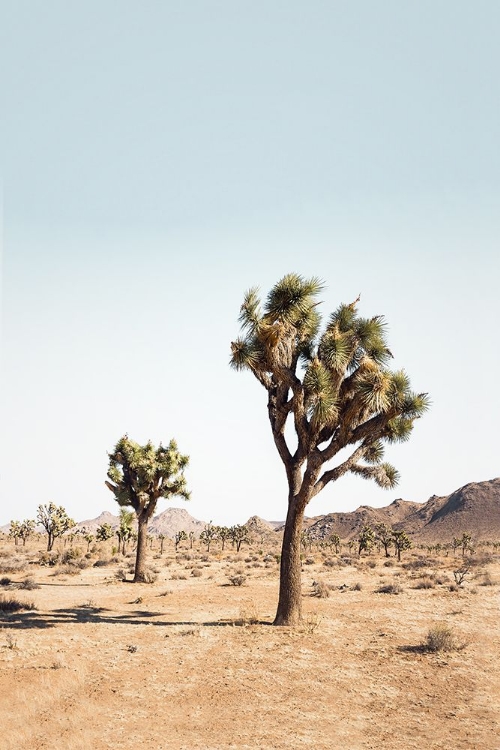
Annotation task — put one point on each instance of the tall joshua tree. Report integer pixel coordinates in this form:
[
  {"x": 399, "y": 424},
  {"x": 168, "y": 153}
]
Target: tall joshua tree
[
  {"x": 139, "y": 476},
  {"x": 335, "y": 386}
]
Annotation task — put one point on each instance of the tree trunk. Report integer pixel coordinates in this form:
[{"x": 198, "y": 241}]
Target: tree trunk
[
  {"x": 140, "y": 559},
  {"x": 50, "y": 542},
  {"x": 289, "y": 610}
]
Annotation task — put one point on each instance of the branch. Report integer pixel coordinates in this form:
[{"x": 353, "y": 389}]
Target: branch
[{"x": 335, "y": 473}]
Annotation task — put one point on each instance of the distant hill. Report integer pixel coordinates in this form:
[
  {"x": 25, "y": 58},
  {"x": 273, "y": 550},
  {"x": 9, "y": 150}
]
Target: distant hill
[
  {"x": 172, "y": 520},
  {"x": 474, "y": 508},
  {"x": 92, "y": 524}
]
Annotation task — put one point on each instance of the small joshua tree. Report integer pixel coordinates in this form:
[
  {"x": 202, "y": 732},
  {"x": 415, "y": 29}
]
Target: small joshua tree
[
  {"x": 401, "y": 541},
  {"x": 334, "y": 540},
  {"x": 384, "y": 535},
  {"x": 180, "y": 536},
  {"x": 239, "y": 534},
  {"x": 55, "y": 521},
  {"x": 104, "y": 532},
  {"x": 223, "y": 534},
  {"x": 208, "y": 535},
  {"x": 366, "y": 539},
  {"x": 139, "y": 475},
  {"x": 125, "y": 530},
  {"x": 15, "y": 531}
]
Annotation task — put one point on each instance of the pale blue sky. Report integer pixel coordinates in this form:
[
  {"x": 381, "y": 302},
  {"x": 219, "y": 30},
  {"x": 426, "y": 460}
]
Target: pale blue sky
[{"x": 158, "y": 158}]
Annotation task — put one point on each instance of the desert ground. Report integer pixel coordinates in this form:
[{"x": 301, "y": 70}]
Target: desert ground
[{"x": 192, "y": 662}]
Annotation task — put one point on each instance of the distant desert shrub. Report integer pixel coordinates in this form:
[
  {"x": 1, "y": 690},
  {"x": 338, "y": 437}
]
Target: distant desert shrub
[
  {"x": 425, "y": 583},
  {"x": 309, "y": 561},
  {"x": 197, "y": 572},
  {"x": 356, "y": 587},
  {"x": 178, "y": 577},
  {"x": 29, "y": 584},
  {"x": 150, "y": 575},
  {"x": 102, "y": 563},
  {"x": 320, "y": 589},
  {"x": 237, "y": 580},
  {"x": 441, "y": 637},
  {"x": 10, "y": 604},
  {"x": 390, "y": 588},
  {"x": 5, "y": 581},
  {"x": 330, "y": 562},
  {"x": 12, "y": 566},
  {"x": 487, "y": 580}
]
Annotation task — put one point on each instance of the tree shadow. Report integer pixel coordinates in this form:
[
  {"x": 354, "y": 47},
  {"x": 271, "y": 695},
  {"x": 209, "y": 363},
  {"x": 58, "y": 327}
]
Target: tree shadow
[{"x": 100, "y": 615}]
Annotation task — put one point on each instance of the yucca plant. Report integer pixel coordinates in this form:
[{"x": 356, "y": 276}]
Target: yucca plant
[
  {"x": 334, "y": 383},
  {"x": 139, "y": 476}
]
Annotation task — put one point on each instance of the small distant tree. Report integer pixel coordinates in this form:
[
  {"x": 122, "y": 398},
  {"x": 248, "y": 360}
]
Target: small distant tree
[
  {"x": 401, "y": 542},
  {"x": 104, "y": 532},
  {"x": 55, "y": 521},
  {"x": 335, "y": 542},
  {"x": 223, "y": 534},
  {"x": 15, "y": 531},
  {"x": 456, "y": 543},
  {"x": 366, "y": 539},
  {"x": 466, "y": 543},
  {"x": 89, "y": 538},
  {"x": 239, "y": 534},
  {"x": 162, "y": 538},
  {"x": 125, "y": 530},
  {"x": 208, "y": 535},
  {"x": 139, "y": 475},
  {"x": 180, "y": 536},
  {"x": 26, "y": 529},
  {"x": 192, "y": 537},
  {"x": 383, "y": 535}
]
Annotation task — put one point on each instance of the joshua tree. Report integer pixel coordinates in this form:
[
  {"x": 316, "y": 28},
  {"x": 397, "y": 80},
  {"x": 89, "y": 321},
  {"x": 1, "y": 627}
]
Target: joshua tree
[
  {"x": 104, "y": 532},
  {"x": 223, "y": 534},
  {"x": 466, "y": 543},
  {"x": 192, "y": 537},
  {"x": 180, "y": 536},
  {"x": 239, "y": 534},
  {"x": 366, "y": 539},
  {"x": 15, "y": 531},
  {"x": 383, "y": 535},
  {"x": 55, "y": 521},
  {"x": 337, "y": 389},
  {"x": 162, "y": 538},
  {"x": 401, "y": 541},
  {"x": 208, "y": 535},
  {"x": 125, "y": 529},
  {"x": 334, "y": 540},
  {"x": 139, "y": 476}
]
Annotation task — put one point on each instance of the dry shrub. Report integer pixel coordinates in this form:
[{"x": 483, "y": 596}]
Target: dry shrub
[
  {"x": 29, "y": 584},
  {"x": 150, "y": 575},
  {"x": 197, "y": 572},
  {"x": 425, "y": 583},
  {"x": 248, "y": 614},
  {"x": 356, "y": 587},
  {"x": 442, "y": 637},
  {"x": 9, "y": 604},
  {"x": 237, "y": 580},
  {"x": 320, "y": 589},
  {"x": 389, "y": 588}
]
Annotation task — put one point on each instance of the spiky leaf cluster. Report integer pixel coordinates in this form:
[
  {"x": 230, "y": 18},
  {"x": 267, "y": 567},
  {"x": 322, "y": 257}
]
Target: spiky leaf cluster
[
  {"x": 335, "y": 382},
  {"x": 141, "y": 474}
]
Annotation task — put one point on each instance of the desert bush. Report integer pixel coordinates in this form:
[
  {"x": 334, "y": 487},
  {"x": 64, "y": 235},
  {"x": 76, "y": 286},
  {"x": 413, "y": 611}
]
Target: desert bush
[
  {"x": 356, "y": 587},
  {"x": 320, "y": 589},
  {"x": 238, "y": 579},
  {"x": 5, "y": 581},
  {"x": 389, "y": 588},
  {"x": 441, "y": 637},
  {"x": 460, "y": 575},
  {"x": 29, "y": 584},
  {"x": 102, "y": 563},
  {"x": 425, "y": 583},
  {"x": 178, "y": 577},
  {"x": 309, "y": 561},
  {"x": 487, "y": 580},
  {"x": 150, "y": 575},
  {"x": 67, "y": 570},
  {"x": 248, "y": 614},
  {"x": 418, "y": 563},
  {"x": 197, "y": 572},
  {"x": 9, "y": 604},
  {"x": 121, "y": 574},
  {"x": 330, "y": 562},
  {"x": 388, "y": 563},
  {"x": 371, "y": 564},
  {"x": 13, "y": 566}
]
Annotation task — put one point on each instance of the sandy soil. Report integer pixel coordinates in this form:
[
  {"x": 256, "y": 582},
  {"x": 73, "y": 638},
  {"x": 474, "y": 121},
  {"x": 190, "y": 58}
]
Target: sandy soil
[{"x": 193, "y": 663}]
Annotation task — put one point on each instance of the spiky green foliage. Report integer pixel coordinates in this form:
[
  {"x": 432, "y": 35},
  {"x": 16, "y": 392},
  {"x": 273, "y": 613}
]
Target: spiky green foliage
[
  {"x": 179, "y": 537},
  {"x": 104, "y": 532},
  {"x": 55, "y": 521},
  {"x": 142, "y": 474},
  {"x": 335, "y": 383},
  {"x": 366, "y": 539}
]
